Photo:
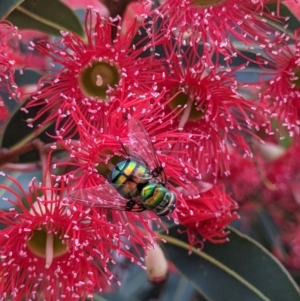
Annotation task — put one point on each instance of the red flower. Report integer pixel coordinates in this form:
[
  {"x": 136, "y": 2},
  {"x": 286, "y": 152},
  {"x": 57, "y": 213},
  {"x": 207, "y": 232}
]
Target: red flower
[
  {"x": 99, "y": 149},
  {"x": 244, "y": 178},
  {"x": 95, "y": 76},
  {"x": 207, "y": 215},
  {"x": 212, "y": 22},
  {"x": 213, "y": 113},
  {"x": 51, "y": 251},
  {"x": 281, "y": 93},
  {"x": 93, "y": 158},
  {"x": 8, "y": 34},
  {"x": 283, "y": 174},
  {"x": 95, "y": 155}
]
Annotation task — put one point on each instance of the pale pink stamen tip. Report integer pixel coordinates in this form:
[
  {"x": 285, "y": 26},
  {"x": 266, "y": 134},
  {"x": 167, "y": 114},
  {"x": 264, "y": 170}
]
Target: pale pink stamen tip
[
  {"x": 49, "y": 250},
  {"x": 99, "y": 81},
  {"x": 185, "y": 115}
]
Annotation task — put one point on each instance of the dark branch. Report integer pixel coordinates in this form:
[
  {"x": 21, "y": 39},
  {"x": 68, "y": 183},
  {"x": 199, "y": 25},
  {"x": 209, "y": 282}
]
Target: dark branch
[{"x": 117, "y": 7}]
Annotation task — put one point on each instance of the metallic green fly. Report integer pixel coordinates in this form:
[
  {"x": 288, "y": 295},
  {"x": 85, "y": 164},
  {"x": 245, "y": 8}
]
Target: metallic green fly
[{"x": 135, "y": 184}]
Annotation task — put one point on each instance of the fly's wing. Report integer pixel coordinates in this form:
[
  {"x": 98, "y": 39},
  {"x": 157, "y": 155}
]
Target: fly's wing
[
  {"x": 141, "y": 146},
  {"x": 195, "y": 189},
  {"x": 105, "y": 196}
]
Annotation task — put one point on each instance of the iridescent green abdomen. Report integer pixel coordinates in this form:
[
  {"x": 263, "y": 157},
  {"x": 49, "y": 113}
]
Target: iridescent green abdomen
[
  {"x": 129, "y": 177},
  {"x": 157, "y": 198}
]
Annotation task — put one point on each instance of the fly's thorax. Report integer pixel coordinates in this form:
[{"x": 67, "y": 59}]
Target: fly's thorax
[
  {"x": 158, "y": 198},
  {"x": 128, "y": 176}
]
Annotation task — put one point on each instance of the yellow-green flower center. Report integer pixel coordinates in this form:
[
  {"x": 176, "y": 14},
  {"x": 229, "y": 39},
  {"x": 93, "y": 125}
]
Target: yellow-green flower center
[
  {"x": 207, "y": 3},
  {"x": 96, "y": 79},
  {"x": 105, "y": 168},
  {"x": 191, "y": 111},
  {"x": 296, "y": 82},
  {"x": 46, "y": 245}
]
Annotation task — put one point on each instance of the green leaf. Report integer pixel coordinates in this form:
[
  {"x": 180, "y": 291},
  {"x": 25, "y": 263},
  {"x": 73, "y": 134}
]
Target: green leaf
[
  {"x": 137, "y": 285},
  {"x": 238, "y": 270},
  {"x": 97, "y": 298},
  {"x": 48, "y": 16},
  {"x": 7, "y": 6},
  {"x": 281, "y": 134},
  {"x": 115, "y": 297},
  {"x": 17, "y": 133},
  {"x": 27, "y": 77},
  {"x": 263, "y": 230},
  {"x": 293, "y": 21},
  {"x": 177, "y": 288},
  {"x": 270, "y": 232}
]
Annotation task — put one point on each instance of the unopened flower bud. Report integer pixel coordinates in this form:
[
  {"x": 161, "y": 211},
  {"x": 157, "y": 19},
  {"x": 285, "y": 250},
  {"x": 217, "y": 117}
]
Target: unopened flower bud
[
  {"x": 271, "y": 151},
  {"x": 157, "y": 265}
]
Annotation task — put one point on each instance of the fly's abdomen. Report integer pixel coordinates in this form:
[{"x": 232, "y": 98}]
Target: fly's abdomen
[
  {"x": 153, "y": 197},
  {"x": 128, "y": 176}
]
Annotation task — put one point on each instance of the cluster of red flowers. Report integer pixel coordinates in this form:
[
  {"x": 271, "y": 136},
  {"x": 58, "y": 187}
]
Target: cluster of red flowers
[
  {"x": 176, "y": 79},
  {"x": 8, "y": 34},
  {"x": 269, "y": 184}
]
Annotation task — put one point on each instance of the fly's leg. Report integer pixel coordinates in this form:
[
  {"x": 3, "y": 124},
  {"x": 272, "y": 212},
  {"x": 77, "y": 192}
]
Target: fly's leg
[
  {"x": 123, "y": 147},
  {"x": 157, "y": 171}
]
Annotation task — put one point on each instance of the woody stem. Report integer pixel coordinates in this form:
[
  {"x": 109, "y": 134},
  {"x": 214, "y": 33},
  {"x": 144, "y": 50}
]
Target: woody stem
[{"x": 9, "y": 155}]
